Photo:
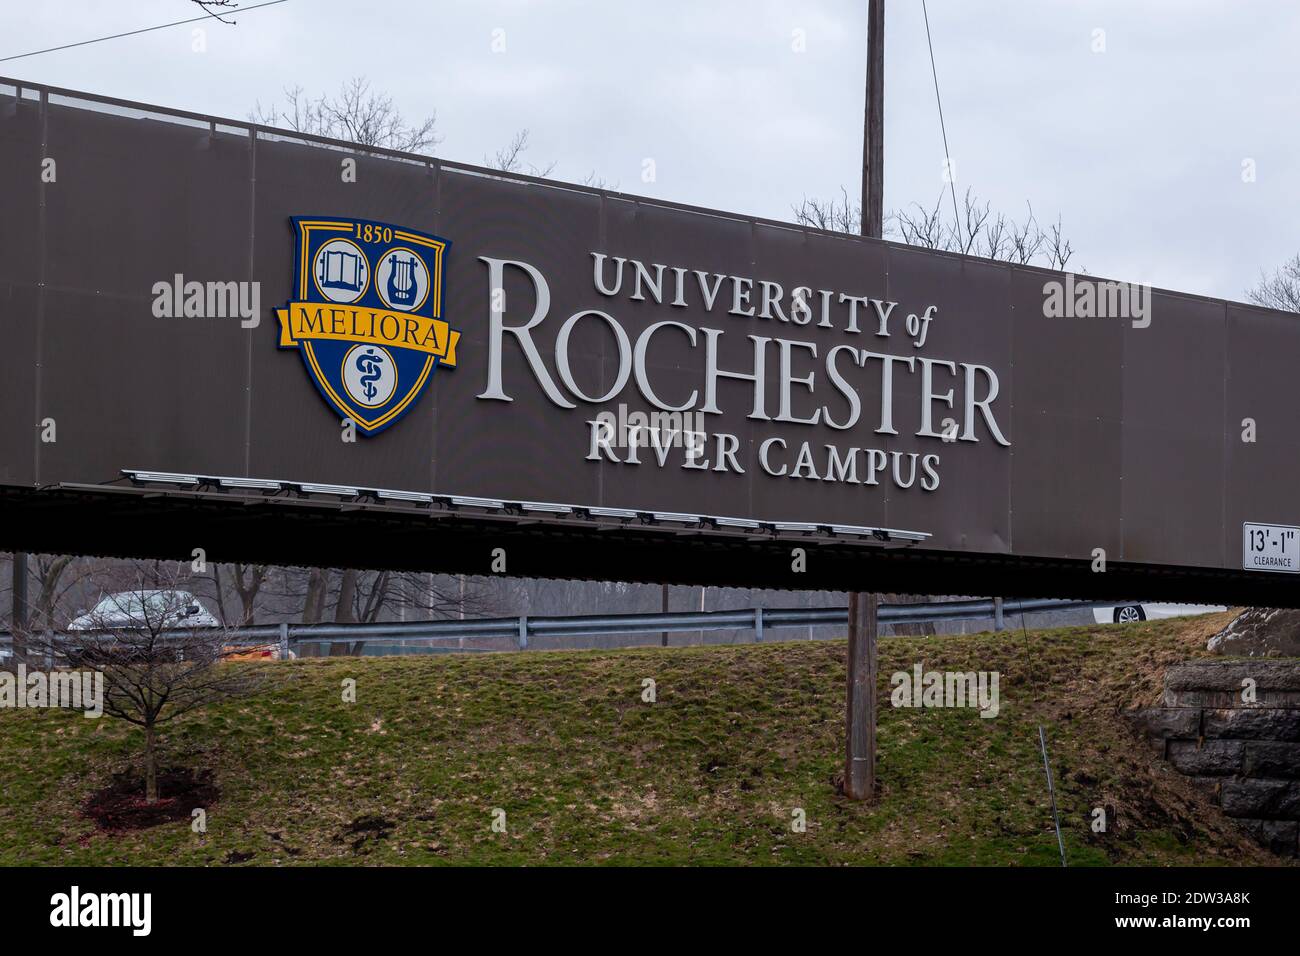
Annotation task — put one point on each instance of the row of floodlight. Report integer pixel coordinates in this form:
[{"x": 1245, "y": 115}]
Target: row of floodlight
[{"x": 528, "y": 507}]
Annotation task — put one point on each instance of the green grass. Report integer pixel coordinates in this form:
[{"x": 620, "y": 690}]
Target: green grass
[{"x": 588, "y": 773}]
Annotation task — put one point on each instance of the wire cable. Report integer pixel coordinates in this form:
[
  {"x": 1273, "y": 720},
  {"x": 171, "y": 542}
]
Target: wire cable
[
  {"x": 956, "y": 217},
  {"x": 131, "y": 33}
]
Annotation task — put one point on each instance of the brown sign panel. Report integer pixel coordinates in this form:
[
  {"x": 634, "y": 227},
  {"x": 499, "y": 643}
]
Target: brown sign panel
[{"x": 619, "y": 353}]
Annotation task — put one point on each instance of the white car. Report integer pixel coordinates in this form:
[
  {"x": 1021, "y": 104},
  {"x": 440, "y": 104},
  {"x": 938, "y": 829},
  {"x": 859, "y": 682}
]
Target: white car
[
  {"x": 1128, "y": 613},
  {"x": 170, "y": 609}
]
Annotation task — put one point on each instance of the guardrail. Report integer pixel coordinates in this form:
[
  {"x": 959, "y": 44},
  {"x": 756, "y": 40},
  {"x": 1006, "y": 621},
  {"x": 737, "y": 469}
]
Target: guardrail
[{"x": 520, "y": 630}]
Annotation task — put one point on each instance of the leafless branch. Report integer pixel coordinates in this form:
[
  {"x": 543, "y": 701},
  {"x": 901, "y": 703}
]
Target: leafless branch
[
  {"x": 1279, "y": 289},
  {"x": 355, "y": 113},
  {"x": 510, "y": 158},
  {"x": 976, "y": 229},
  {"x": 207, "y": 5}
]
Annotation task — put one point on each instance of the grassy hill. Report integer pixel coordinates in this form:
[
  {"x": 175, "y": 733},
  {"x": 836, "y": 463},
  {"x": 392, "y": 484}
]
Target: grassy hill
[{"x": 587, "y": 772}]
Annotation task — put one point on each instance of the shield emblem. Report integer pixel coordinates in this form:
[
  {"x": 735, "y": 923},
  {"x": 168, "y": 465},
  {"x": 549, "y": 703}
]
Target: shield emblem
[{"x": 367, "y": 315}]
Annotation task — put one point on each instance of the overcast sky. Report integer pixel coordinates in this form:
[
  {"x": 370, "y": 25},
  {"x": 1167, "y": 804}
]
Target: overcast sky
[{"x": 748, "y": 105}]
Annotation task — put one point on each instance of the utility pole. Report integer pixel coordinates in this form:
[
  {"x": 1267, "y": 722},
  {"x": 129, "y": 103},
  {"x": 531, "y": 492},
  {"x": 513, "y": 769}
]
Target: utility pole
[
  {"x": 873, "y": 134},
  {"x": 860, "y": 760},
  {"x": 860, "y": 750}
]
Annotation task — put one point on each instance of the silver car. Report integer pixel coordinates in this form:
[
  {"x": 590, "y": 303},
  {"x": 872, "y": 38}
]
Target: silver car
[{"x": 163, "y": 609}]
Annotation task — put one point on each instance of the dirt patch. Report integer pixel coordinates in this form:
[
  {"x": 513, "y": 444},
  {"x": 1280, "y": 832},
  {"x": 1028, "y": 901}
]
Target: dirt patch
[
  {"x": 121, "y": 806},
  {"x": 366, "y": 829}
]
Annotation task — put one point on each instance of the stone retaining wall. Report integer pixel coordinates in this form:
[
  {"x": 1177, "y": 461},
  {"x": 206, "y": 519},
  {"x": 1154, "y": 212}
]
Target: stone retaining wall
[{"x": 1247, "y": 754}]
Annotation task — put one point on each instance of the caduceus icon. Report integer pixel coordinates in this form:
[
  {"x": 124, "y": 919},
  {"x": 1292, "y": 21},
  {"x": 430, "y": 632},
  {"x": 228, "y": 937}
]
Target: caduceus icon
[{"x": 368, "y": 364}]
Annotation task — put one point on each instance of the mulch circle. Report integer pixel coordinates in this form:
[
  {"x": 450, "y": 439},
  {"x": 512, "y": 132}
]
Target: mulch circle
[{"x": 121, "y": 805}]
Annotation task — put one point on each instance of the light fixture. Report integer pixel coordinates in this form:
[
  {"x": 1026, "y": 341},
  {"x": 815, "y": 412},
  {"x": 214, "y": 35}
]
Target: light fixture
[
  {"x": 387, "y": 494},
  {"x": 530, "y": 507},
  {"x": 544, "y": 507},
  {"x": 904, "y": 535},
  {"x": 467, "y": 502},
  {"x": 161, "y": 477},
  {"x": 746, "y": 523},
  {"x": 625, "y": 513},
  {"x": 343, "y": 491},
  {"x": 261, "y": 484},
  {"x": 794, "y": 526},
  {"x": 674, "y": 517}
]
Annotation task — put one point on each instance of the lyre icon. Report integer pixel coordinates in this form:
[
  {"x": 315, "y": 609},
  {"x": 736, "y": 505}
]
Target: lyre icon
[{"x": 402, "y": 283}]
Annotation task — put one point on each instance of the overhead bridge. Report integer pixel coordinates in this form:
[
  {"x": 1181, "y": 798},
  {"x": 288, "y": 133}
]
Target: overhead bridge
[{"x": 1032, "y": 452}]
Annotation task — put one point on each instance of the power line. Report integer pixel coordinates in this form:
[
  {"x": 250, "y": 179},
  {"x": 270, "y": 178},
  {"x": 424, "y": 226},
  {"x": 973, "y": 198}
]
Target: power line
[
  {"x": 131, "y": 33},
  {"x": 956, "y": 217}
]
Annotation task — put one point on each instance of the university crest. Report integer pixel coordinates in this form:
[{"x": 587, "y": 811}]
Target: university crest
[{"x": 367, "y": 315}]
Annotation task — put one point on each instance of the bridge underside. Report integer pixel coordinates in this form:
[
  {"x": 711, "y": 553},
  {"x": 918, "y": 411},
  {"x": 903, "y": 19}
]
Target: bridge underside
[{"x": 133, "y": 522}]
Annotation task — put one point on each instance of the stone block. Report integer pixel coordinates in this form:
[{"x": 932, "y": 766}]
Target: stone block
[
  {"x": 1270, "y": 759},
  {"x": 1226, "y": 676},
  {"x": 1163, "y": 722},
  {"x": 1213, "y": 758},
  {"x": 1261, "y": 799},
  {"x": 1253, "y": 724},
  {"x": 1281, "y": 837},
  {"x": 1277, "y": 836}
]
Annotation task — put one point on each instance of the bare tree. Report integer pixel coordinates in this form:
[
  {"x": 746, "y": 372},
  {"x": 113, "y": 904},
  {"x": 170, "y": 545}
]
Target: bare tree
[
  {"x": 247, "y": 581},
  {"x": 156, "y": 668},
  {"x": 1279, "y": 289},
  {"x": 832, "y": 215},
  {"x": 355, "y": 113},
  {"x": 975, "y": 229},
  {"x": 55, "y": 582},
  {"x": 55, "y": 579},
  {"x": 359, "y": 115},
  {"x": 313, "y": 604},
  {"x": 367, "y": 597},
  {"x": 510, "y": 159}
]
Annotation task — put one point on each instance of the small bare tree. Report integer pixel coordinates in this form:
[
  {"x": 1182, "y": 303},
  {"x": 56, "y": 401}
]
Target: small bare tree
[
  {"x": 1280, "y": 289},
  {"x": 832, "y": 215},
  {"x": 355, "y": 113},
  {"x": 511, "y": 158},
  {"x": 359, "y": 115},
  {"x": 974, "y": 230},
  {"x": 158, "y": 663},
  {"x": 442, "y": 597}
]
